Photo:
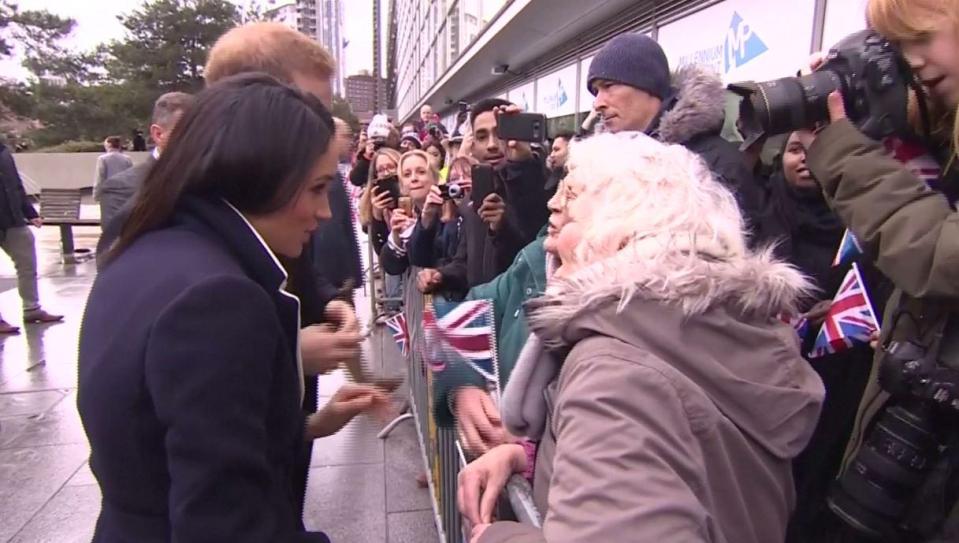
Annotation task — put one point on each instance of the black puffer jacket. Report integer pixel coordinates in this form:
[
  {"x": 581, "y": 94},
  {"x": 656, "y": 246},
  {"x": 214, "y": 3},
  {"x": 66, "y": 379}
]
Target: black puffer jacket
[{"x": 693, "y": 117}]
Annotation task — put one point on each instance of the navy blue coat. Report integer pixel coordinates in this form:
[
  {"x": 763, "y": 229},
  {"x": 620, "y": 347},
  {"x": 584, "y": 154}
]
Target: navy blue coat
[{"x": 189, "y": 386}]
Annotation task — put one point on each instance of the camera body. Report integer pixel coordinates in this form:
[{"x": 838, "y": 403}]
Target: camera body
[
  {"x": 867, "y": 69},
  {"x": 875, "y": 492},
  {"x": 451, "y": 191},
  {"x": 379, "y": 128}
]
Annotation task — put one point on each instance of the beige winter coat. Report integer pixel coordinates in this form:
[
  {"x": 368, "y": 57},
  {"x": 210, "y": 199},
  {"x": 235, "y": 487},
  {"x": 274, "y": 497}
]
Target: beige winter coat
[{"x": 675, "y": 418}]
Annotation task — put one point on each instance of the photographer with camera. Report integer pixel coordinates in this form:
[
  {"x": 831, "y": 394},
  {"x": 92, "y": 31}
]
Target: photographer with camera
[
  {"x": 435, "y": 238},
  {"x": 417, "y": 180},
  {"x": 380, "y": 134},
  {"x": 899, "y": 480},
  {"x": 508, "y": 217}
]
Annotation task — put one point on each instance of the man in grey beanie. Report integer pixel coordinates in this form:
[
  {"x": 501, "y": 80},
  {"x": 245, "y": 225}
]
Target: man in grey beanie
[{"x": 634, "y": 91}]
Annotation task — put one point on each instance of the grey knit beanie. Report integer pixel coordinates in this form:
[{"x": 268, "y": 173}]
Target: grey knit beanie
[{"x": 635, "y": 60}]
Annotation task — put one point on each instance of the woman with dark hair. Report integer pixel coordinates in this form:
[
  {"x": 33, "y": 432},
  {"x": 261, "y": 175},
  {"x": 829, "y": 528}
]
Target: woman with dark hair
[
  {"x": 437, "y": 153},
  {"x": 191, "y": 385},
  {"x": 807, "y": 234}
]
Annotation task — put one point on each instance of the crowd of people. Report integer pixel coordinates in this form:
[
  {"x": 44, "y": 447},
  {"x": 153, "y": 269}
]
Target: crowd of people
[{"x": 640, "y": 272}]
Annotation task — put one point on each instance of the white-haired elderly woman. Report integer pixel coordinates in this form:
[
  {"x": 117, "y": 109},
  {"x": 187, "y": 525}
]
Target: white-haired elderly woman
[{"x": 667, "y": 398}]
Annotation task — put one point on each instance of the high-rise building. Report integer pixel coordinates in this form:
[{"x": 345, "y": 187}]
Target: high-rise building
[
  {"x": 361, "y": 93},
  {"x": 282, "y": 11},
  {"x": 377, "y": 54},
  {"x": 306, "y": 17},
  {"x": 322, "y": 20}
]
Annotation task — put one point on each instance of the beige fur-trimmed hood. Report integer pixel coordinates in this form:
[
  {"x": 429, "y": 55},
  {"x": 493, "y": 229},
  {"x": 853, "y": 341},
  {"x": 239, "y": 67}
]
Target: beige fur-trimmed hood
[
  {"x": 715, "y": 322},
  {"x": 753, "y": 287}
]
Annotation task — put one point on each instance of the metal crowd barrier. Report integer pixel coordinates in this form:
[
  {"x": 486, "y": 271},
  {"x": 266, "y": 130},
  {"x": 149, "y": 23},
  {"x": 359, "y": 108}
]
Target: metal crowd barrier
[{"x": 442, "y": 455}]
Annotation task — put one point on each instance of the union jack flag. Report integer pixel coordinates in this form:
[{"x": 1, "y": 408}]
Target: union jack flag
[
  {"x": 848, "y": 249},
  {"x": 401, "y": 332},
  {"x": 799, "y": 323},
  {"x": 850, "y": 319},
  {"x": 462, "y": 332}
]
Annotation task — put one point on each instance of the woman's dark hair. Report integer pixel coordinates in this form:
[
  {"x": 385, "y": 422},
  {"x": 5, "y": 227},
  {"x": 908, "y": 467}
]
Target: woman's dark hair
[
  {"x": 248, "y": 139},
  {"x": 439, "y": 146}
]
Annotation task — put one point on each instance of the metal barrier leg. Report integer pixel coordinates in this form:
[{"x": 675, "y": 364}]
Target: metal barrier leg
[
  {"x": 372, "y": 276},
  {"x": 406, "y": 413},
  {"x": 385, "y": 432}
]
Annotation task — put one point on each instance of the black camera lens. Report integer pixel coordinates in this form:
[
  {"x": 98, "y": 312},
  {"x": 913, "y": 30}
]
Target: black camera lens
[
  {"x": 454, "y": 190},
  {"x": 874, "y": 492},
  {"x": 788, "y": 104}
]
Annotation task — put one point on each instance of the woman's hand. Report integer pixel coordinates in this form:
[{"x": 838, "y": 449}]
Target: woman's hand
[
  {"x": 381, "y": 201},
  {"x": 369, "y": 151},
  {"x": 428, "y": 279},
  {"x": 834, "y": 102},
  {"x": 837, "y": 111},
  {"x": 434, "y": 202},
  {"x": 478, "y": 420},
  {"x": 482, "y": 480},
  {"x": 349, "y": 401},
  {"x": 399, "y": 222},
  {"x": 324, "y": 348}
]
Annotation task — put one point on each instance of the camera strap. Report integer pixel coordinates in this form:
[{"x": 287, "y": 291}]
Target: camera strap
[{"x": 921, "y": 101}]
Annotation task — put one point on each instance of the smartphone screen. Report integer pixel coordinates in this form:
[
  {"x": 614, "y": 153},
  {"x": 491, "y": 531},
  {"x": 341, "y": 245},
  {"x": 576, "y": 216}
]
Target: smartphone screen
[
  {"x": 391, "y": 185},
  {"x": 483, "y": 186},
  {"x": 522, "y": 127},
  {"x": 406, "y": 204}
]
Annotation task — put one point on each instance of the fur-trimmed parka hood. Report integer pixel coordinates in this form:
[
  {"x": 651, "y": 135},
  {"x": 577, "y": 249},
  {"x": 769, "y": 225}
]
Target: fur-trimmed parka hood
[
  {"x": 696, "y": 108},
  {"x": 716, "y": 322}
]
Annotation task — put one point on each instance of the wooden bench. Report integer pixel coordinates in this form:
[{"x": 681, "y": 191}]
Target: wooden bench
[{"x": 61, "y": 207}]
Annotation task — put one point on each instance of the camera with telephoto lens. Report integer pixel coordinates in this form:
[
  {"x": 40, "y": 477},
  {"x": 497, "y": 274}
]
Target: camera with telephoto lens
[
  {"x": 871, "y": 74},
  {"x": 451, "y": 191},
  {"x": 875, "y": 492}
]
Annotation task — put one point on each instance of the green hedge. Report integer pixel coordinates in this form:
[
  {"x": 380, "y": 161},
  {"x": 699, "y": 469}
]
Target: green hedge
[{"x": 74, "y": 147}]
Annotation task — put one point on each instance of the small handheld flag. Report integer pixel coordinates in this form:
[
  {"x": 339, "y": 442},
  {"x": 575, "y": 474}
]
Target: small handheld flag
[
  {"x": 800, "y": 324},
  {"x": 849, "y": 249},
  {"x": 401, "y": 332},
  {"x": 462, "y": 331},
  {"x": 851, "y": 318}
]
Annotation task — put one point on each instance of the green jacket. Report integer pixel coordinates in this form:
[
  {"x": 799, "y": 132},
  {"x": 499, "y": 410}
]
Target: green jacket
[
  {"x": 524, "y": 279},
  {"x": 911, "y": 233}
]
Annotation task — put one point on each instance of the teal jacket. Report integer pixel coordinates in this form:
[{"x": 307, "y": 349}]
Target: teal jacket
[{"x": 523, "y": 280}]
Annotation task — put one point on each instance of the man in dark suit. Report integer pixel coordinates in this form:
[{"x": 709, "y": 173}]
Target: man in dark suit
[
  {"x": 16, "y": 214},
  {"x": 336, "y": 253},
  {"x": 117, "y": 191}
]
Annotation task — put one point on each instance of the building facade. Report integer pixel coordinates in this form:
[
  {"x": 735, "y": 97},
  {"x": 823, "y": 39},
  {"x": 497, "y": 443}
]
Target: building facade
[
  {"x": 322, "y": 20},
  {"x": 537, "y": 53},
  {"x": 283, "y": 12},
  {"x": 361, "y": 93}
]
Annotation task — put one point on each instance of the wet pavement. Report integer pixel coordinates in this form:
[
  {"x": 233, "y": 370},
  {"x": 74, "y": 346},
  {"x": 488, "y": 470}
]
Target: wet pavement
[{"x": 361, "y": 489}]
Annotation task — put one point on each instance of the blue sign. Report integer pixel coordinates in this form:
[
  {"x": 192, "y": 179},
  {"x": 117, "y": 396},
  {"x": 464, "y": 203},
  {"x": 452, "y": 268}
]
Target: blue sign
[{"x": 742, "y": 45}]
